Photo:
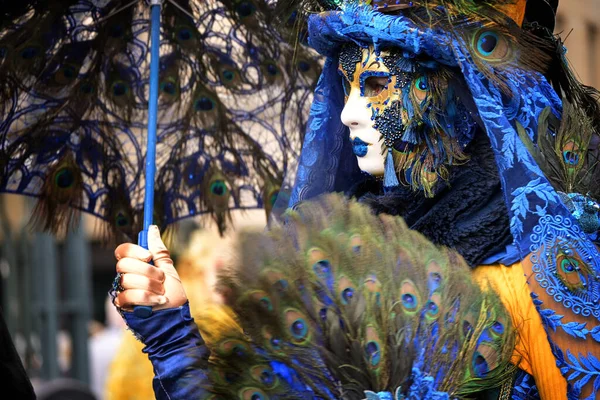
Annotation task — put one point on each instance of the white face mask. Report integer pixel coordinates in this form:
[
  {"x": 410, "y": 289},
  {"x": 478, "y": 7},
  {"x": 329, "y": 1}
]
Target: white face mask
[
  {"x": 357, "y": 115},
  {"x": 394, "y": 101},
  {"x": 366, "y": 140}
]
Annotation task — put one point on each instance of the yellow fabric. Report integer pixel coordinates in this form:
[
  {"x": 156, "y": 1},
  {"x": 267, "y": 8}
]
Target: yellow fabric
[
  {"x": 532, "y": 352},
  {"x": 131, "y": 373}
]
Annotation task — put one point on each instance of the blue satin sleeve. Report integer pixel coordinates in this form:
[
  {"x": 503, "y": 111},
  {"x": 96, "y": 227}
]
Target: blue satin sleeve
[{"x": 177, "y": 352}]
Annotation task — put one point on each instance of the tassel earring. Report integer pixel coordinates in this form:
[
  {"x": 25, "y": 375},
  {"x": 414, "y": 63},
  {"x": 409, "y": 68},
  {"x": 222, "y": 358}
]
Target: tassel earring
[{"x": 390, "y": 180}]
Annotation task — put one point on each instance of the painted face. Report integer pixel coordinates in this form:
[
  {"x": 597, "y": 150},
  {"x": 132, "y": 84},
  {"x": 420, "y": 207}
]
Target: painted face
[{"x": 398, "y": 103}]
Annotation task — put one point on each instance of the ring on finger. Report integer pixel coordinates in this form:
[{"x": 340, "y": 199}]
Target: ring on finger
[{"x": 118, "y": 283}]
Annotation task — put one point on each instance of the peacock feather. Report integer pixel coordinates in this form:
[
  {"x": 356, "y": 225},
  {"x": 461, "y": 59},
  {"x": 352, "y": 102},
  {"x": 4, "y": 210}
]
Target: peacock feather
[
  {"x": 567, "y": 152},
  {"x": 339, "y": 302},
  {"x": 233, "y": 103}
]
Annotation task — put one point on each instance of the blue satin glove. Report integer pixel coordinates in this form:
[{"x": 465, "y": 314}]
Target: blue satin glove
[{"x": 176, "y": 350}]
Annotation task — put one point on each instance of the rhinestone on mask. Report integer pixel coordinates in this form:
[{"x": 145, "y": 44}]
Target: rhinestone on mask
[{"x": 350, "y": 55}]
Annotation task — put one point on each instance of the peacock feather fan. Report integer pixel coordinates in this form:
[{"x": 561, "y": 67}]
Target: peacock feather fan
[
  {"x": 233, "y": 103},
  {"x": 339, "y": 302}
]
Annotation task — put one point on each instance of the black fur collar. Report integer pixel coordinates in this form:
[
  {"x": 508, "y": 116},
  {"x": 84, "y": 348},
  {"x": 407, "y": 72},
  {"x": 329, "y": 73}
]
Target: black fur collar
[{"x": 467, "y": 213}]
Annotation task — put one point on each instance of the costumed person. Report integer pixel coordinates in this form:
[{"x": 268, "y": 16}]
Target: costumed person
[{"x": 489, "y": 146}]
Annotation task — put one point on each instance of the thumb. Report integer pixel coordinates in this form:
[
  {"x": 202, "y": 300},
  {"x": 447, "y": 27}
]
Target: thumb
[{"x": 160, "y": 253}]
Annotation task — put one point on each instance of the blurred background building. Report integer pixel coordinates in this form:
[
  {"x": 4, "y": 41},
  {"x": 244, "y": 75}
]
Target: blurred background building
[
  {"x": 54, "y": 290},
  {"x": 578, "y": 23}
]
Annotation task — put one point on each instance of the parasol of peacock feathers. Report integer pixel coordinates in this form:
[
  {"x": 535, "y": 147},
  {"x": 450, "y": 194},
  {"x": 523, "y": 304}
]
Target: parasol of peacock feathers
[{"x": 234, "y": 96}]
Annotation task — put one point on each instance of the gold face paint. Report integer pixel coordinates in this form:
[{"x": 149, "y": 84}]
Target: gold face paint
[{"x": 367, "y": 73}]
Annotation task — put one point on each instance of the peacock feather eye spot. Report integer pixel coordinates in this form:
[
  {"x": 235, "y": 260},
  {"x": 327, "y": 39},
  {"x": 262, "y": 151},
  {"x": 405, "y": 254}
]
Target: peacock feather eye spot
[
  {"x": 239, "y": 351},
  {"x": 281, "y": 285},
  {"x": 231, "y": 377},
  {"x": 571, "y": 157},
  {"x": 204, "y": 104},
  {"x": 498, "y": 328},
  {"x": 373, "y": 352},
  {"x": 323, "y": 314},
  {"x": 421, "y": 83},
  {"x": 252, "y": 394},
  {"x": 436, "y": 277},
  {"x": 322, "y": 268},
  {"x": 266, "y": 304},
  {"x": 29, "y": 52},
  {"x": 275, "y": 342},
  {"x": 480, "y": 365},
  {"x": 409, "y": 301},
  {"x": 490, "y": 45},
  {"x": 421, "y": 88},
  {"x": 432, "y": 308},
  {"x": 245, "y": 9},
  {"x": 228, "y": 75},
  {"x": 64, "y": 178},
  {"x": 347, "y": 295},
  {"x": 120, "y": 89},
  {"x": 304, "y": 66},
  {"x": 487, "y": 42},
  {"x": 272, "y": 69},
  {"x": 569, "y": 265},
  {"x": 69, "y": 72},
  {"x": 184, "y": 34},
  {"x": 218, "y": 187},
  {"x": 267, "y": 377},
  {"x": 121, "y": 220},
  {"x": 168, "y": 88},
  {"x": 299, "y": 328}
]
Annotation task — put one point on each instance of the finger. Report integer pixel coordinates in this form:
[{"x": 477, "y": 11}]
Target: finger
[
  {"x": 160, "y": 253},
  {"x": 133, "y": 251},
  {"x": 135, "y": 266},
  {"x": 133, "y": 281},
  {"x": 135, "y": 297}
]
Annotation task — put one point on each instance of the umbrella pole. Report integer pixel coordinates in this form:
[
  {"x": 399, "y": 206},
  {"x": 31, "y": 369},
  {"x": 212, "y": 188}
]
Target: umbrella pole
[{"x": 155, "y": 8}]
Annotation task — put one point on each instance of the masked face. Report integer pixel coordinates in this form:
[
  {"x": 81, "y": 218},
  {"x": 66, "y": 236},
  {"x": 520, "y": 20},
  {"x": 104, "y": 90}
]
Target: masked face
[
  {"x": 365, "y": 80},
  {"x": 398, "y": 103}
]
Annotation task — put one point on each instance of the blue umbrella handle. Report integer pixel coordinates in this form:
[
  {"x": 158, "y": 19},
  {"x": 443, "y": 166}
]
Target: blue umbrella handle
[
  {"x": 143, "y": 311},
  {"x": 155, "y": 7}
]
